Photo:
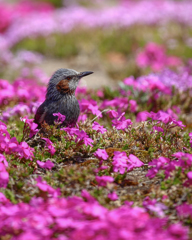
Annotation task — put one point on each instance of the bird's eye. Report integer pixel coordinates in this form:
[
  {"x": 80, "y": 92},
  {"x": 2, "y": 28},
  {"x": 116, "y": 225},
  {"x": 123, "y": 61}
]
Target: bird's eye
[{"x": 69, "y": 78}]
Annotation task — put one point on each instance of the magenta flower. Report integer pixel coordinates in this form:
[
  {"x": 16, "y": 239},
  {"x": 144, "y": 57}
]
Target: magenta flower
[
  {"x": 47, "y": 165},
  {"x": 97, "y": 127},
  {"x": 189, "y": 175},
  {"x": 157, "y": 165},
  {"x": 103, "y": 180},
  {"x": 154, "y": 56},
  {"x": 188, "y": 182},
  {"x": 142, "y": 116},
  {"x": 158, "y": 129},
  {"x": 130, "y": 81},
  {"x": 4, "y": 176},
  {"x": 112, "y": 196},
  {"x": 120, "y": 162},
  {"x": 43, "y": 186},
  {"x": 3, "y": 127},
  {"x": 85, "y": 194},
  {"x": 50, "y": 146},
  {"x": 134, "y": 162},
  {"x": 3, "y": 160},
  {"x": 100, "y": 93},
  {"x": 101, "y": 154},
  {"x": 81, "y": 136},
  {"x": 90, "y": 107},
  {"x": 155, "y": 207},
  {"x": 61, "y": 118},
  {"x": 184, "y": 210},
  {"x": 133, "y": 105},
  {"x": 112, "y": 114},
  {"x": 25, "y": 151},
  {"x": 190, "y": 136},
  {"x": 31, "y": 125},
  {"x": 121, "y": 123},
  {"x": 82, "y": 117},
  {"x": 165, "y": 118}
]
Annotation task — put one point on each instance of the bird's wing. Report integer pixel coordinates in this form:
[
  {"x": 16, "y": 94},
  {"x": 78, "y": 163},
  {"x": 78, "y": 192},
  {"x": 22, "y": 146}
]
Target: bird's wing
[{"x": 40, "y": 114}]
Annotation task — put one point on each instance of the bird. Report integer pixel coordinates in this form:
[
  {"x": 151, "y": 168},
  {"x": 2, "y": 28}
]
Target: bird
[{"x": 60, "y": 98}]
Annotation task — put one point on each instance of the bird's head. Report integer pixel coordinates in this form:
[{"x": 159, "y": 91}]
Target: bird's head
[{"x": 64, "y": 82}]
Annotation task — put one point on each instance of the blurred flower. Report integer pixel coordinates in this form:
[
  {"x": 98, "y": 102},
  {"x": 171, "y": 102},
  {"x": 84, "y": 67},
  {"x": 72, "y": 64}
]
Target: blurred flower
[
  {"x": 97, "y": 127},
  {"x": 154, "y": 56},
  {"x": 121, "y": 123},
  {"x": 47, "y": 165},
  {"x": 112, "y": 113},
  {"x": 103, "y": 180},
  {"x": 112, "y": 196},
  {"x": 4, "y": 176},
  {"x": 120, "y": 162},
  {"x": 3, "y": 160},
  {"x": 50, "y": 146},
  {"x": 43, "y": 186},
  {"x": 60, "y": 119},
  {"x": 101, "y": 154}
]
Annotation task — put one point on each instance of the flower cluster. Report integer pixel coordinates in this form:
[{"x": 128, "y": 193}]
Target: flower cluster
[
  {"x": 73, "y": 218},
  {"x": 81, "y": 136},
  {"x": 22, "y": 90},
  {"x": 42, "y": 20},
  {"x": 183, "y": 161},
  {"x": 10, "y": 145},
  {"x": 154, "y": 56},
  {"x": 122, "y": 163}
]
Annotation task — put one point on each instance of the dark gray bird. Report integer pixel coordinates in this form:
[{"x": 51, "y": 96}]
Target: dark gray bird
[{"x": 60, "y": 98}]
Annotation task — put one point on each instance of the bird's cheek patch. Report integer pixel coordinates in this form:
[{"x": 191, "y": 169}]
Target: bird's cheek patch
[{"x": 63, "y": 86}]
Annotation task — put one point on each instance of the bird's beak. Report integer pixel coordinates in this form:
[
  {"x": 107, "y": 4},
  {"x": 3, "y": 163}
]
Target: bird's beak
[{"x": 83, "y": 74}]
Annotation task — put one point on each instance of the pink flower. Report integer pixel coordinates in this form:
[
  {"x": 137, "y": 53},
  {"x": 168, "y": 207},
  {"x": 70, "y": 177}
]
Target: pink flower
[
  {"x": 121, "y": 123},
  {"x": 154, "y": 56},
  {"x": 120, "y": 162},
  {"x": 103, "y": 180},
  {"x": 3, "y": 199},
  {"x": 90, "y": 106},
  {"x": 100, "y": 93},
  {"x": 178, "y": 230},
  {"x": 101, "y": 154},
  {"x": 4, "y": 176},
  {"x": 158, "y": 164},
  {"x": 189, "y": 175},
  {"x": 96, "y": 126},
  {"x": 133, "y": 105},
  {"x": 43, "y": 186},
  {"x": 3, "y": 160},
  {"x": 184, "y": 210},
  {"x": 142, "y": 116},
  {"x": 165, "y": 118},
  {"x": 25, "y": 151},
  {"x": 81, "y": 135},
  {"x": 153, "y": 206},
  {"x": 82, "y": 117},
  {"x": 3, "y": 127},
  {"x": 47, "y": 165},
  {"x": 134, "y": 162},
  {"x": 112, "y": 113},
  {"x": 85, "y": 194},
  {"x": 50, "y": 146},
  {"x": 130, "y": 81},
  {"x": 61, "y": 118},
  {"x": 112, "y": 196},
  {"x": 31, "y": 125},
  {"x": 158, "y": 129}
]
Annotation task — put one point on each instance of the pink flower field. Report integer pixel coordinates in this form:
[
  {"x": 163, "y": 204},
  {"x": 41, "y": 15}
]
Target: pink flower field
[{"x": 125, "y": 170}]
